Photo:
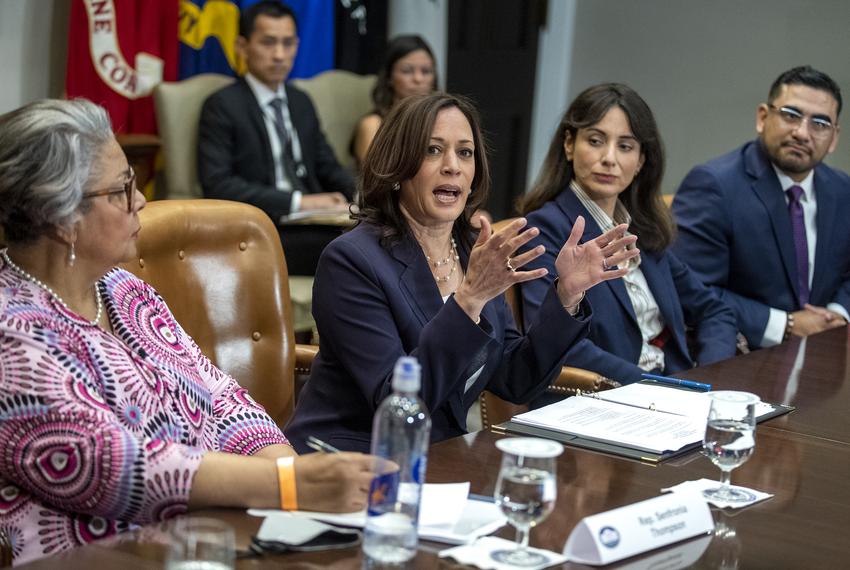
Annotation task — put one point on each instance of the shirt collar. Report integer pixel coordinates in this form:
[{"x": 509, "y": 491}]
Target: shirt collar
[
  {"x": 602, "y": 219},
  {"x": 786, "y": 182},
  {"x": 261, "y": 91}
]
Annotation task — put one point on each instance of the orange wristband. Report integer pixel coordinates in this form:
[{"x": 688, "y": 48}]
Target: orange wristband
[{"x": 286, "y": 482}]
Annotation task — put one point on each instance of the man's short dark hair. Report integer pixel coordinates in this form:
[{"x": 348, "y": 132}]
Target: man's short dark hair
[
  {"x": 271, "y": 8},
  {"x": 810, "y": 77}
]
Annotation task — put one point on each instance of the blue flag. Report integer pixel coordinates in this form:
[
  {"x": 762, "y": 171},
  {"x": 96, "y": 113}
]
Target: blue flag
[{"x": 208, "y": 31}]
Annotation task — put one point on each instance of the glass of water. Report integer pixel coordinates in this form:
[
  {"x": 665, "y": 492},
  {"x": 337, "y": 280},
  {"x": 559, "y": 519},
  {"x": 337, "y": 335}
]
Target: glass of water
[
  {"x": 526, "y": 492},
  {"x": 730, "y": 439},
  {"x": 198, "y": 543}
]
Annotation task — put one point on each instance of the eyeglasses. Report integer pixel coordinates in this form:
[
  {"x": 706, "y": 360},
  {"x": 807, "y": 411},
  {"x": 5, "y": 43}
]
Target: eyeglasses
[
  {"x": 129, "y": 190},
  {"x": 819, "y": 127}
]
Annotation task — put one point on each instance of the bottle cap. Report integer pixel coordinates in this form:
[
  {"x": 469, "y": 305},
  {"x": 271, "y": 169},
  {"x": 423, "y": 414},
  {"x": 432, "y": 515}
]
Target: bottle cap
[{"x": 406, "y": 375}]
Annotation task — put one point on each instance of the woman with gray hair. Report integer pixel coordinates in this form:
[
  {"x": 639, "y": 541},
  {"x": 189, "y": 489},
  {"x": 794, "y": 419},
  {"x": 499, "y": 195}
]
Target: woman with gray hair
[{"x": 110, "y": 413}]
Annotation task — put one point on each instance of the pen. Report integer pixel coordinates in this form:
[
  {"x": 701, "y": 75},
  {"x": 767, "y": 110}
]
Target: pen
[
  {"x": 320, "y": 445},
  {"x": 483, "y": 498},
  {"x": 677, "y": 382}
]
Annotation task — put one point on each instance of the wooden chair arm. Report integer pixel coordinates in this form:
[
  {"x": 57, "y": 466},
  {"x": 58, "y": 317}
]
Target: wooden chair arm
[
  {"x": 304, "y": 355},
  {"x": 572, "y": 381}
]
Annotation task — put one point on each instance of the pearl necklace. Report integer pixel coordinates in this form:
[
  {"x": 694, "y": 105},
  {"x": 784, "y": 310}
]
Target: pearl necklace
[
  {"x": 4, "y": 254},
  {"x": 453, "y": 258}
]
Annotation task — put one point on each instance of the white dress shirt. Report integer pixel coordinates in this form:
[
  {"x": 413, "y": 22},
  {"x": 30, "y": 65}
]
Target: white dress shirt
[
  {"x": 775, "y": 329},
  {"x": 265, "y": 96}
]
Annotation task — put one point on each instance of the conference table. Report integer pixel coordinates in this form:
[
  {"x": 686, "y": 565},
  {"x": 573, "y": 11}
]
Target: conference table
[{"x": 802, "y": 458}]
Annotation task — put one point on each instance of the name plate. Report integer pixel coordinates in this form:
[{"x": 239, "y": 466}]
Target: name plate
[{"x": 641, "y": 527}]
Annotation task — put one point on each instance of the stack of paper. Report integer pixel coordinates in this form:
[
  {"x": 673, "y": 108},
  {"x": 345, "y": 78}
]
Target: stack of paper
[
  {"x": 645, "y": 417},
  {"x": 446, "y": 514}
]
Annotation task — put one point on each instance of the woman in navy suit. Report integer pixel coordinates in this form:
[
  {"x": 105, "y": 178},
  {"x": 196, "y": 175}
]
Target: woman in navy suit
[
  {"x": 412, "y": 278},
  {"x": 605, "y": 164}
]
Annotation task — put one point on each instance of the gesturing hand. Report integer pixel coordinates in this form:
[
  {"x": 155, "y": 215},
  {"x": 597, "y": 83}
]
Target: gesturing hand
[
  {"x": 493, "y": 267},
  {"x": 581, "y": 266}
]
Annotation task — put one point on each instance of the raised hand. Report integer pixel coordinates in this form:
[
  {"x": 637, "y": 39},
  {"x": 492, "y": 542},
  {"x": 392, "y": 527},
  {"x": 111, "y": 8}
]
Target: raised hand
[
  {"x": 493, "y": 267},
  {"x": 581, "y": 266}
]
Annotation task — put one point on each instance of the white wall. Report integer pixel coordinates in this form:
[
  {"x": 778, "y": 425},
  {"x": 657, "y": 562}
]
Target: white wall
[
  {"x": 552, "y": 83},
  {"x": 33, "y": 40}
]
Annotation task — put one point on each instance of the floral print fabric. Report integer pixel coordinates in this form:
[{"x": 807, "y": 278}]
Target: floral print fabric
[{"x": 103, "y": 431}]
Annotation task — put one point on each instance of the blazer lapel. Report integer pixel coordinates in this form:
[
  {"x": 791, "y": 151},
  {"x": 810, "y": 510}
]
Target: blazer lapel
[
  {"x": 767, "y": 190},
  {"x": 827, "y": 204},
  {"x": 416, "y": 279},
  {"x": 258, "y": 125},
  {"x": 657, "y": 275}
]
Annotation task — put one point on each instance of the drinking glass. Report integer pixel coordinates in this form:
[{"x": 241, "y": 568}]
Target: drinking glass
[
  {"x": 197, "y": 543},
  {"x": 730, "y": 439},
  {"x": 526, "y": 491}
]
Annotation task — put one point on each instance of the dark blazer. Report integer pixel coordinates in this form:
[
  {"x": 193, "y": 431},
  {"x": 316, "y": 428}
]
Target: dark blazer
[
  {"x": 373, "y": 305},
  {"x": 612, "y": 347},
  {"x": 735, "y": 234},
  {"x": 235, "y": 159}
]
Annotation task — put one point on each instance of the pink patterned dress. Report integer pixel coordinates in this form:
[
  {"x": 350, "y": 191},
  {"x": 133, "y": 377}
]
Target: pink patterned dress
[{"x": 101, "y": 432}]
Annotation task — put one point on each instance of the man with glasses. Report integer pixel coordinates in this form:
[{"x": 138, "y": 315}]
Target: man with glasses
[{"x": 765, "y": 225}]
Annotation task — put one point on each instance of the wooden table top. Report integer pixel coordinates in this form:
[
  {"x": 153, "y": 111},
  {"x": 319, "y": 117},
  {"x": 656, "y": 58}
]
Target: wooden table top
[
  {"x": 819, "y": 386},
  {"x": 802, "y": 458}
]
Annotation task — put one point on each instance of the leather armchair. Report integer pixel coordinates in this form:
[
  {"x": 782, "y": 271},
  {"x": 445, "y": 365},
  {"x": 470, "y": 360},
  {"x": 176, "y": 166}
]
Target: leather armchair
[
  {"x": 220, "y": 267},
  {"x": 570, "y": 382}
]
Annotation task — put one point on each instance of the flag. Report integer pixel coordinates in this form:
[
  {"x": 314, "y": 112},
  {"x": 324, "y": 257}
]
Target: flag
[
  {"x": 118, "y": 51},
  {"x": 208, "y": 30}
]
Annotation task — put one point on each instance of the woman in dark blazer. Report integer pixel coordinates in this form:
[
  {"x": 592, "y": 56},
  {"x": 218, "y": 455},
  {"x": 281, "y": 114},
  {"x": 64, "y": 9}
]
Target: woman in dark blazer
[
  {"x": 413, "y": 279},
  {"x": 605, "y": 164}
]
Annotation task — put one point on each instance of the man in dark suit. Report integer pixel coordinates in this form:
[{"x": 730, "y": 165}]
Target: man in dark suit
[
  {"x": 765, "y": 224},
  {"x": 259, "y": 139}
]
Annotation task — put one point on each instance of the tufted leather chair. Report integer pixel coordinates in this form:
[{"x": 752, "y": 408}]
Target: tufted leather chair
[
  {"x": 220, "y": 267},
  {"x": 571, "y": 381}
]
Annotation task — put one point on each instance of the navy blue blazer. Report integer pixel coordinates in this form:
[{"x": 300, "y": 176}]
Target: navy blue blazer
[
  {"x": 735, "y": 234},
  {"x": 612, "y": 347},
  {"x": 374, "y": 304}
]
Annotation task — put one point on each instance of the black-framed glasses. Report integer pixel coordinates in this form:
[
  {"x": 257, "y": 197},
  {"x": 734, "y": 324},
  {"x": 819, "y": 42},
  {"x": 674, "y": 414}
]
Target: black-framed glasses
[
  {"x": 128, "y": 188},
  {"x": 820, "y": 127}
]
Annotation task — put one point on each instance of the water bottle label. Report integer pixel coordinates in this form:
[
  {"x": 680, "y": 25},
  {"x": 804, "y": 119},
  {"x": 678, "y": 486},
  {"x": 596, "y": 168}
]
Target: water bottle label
[
  {"x": 383, "y": 491},
  {"x": 418, "y": 470}
]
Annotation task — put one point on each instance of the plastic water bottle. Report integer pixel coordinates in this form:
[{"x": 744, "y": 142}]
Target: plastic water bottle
[{"x": 400, "y": 436}]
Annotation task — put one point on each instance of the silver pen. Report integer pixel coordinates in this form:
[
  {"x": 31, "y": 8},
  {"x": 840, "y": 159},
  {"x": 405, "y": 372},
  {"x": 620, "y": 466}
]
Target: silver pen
[{"x": 319, "y": 445}]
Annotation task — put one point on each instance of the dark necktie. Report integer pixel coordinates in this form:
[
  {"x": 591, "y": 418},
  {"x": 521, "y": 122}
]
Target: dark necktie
[
  {"x": 801, "y": 243},
  {"x": 286, "y": 148}
]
